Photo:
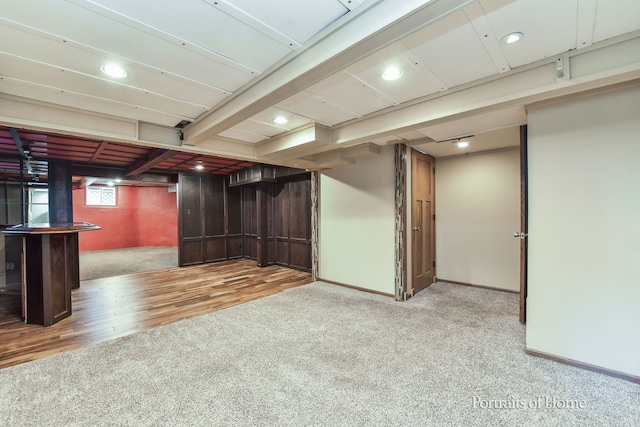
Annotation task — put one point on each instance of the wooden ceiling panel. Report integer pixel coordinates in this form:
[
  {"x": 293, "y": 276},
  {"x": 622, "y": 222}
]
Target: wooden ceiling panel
[
  {"x": 59, "y": 149},
  {"x": 59, "y": 140},
  {"x": 125, "y": 148},
  {"x": 14, "y": 86},
  {"x": 41, "y": 49},
  {"x": 417, "y": 78},
  {"x": 48, "y": 152},
  {"x": 433, "y": 47},
  {"x": 244, "y": 44},
  {"x": 310, "y": 16},
  {"x": 126, "y": 157},
  {"x": 131, "y": 158},
  {"x": 308, "y": 105},
  {"x": 76, "y": 82},
  {"x": 545, "y": 34},
  {"x": 609, "y": 22},
  {"x": 242, "y": 135},
  {"x": 86, "y": 24},
  {"x": 350, "y": 93}
]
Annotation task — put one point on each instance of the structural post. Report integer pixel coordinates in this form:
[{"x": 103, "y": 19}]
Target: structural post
[
  {"x": 401, "y": 220},
  {"x": 61, "y": 212},
  {"x": 262, "y": 226},
  {"x": 60, "y": 193},
  {"x": 315, "y": 214}
]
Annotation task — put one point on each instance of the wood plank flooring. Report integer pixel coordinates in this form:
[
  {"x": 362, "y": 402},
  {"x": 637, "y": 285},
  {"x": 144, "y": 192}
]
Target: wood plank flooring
[{"x": 104, "y": 309}]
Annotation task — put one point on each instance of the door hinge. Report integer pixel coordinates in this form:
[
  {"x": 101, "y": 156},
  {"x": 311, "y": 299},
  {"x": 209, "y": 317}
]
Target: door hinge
[
  {"x": 434, "y": 263},
  {"x": 434, "y": 217}
]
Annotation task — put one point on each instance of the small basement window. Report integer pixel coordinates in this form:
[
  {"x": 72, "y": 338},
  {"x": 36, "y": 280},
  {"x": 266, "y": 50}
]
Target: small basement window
[{"x": 101, "y": 196}]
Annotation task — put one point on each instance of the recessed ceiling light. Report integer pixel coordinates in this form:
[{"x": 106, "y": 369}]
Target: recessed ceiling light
[
  {"x": 462, "y": 144},
  {"x": 118, "y": 180},
  {"x": 110, "y": 183},
  {"x": 113, "y": 70},
  {"x": 199, "y": 167},
  {"x": 392, "y": 73},
  {"x": 280, "y": 120},
  {"x": 511, "y": 38}
]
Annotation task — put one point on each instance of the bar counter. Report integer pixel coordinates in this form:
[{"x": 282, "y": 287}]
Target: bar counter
[{"x": 50, "y": 269}]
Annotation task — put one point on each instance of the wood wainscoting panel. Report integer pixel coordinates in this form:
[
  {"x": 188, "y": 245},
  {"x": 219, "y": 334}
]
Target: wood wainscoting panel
[
  {"x": 215, "y": 248},
  {"x": 250, "y": 222},
  {"x": 293, "y": 222},
  {"x": 250, "y": 246},
  {"x": 233, "y": 212},
  {"x": 213, "y": 193},
  {"x": 59, "y": 253},
  {"x": 282, "y": 251},
  {"x": 190, "y": 214},
  {"x": 190, "y": 251},
  {"x": 267, "y": 222},
  {"x": 300, "y": 254},
  {"x": 234, "y": 246}
]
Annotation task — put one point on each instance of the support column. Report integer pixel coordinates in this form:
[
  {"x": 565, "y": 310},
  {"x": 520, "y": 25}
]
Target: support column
[
  {"x": 315, "y": 209},
  {"x": 60, "y": 193},
  {"x": 401, "y": 220},
  {"x": 61, "y": 212},
  {"x": 262, "y": 226}
]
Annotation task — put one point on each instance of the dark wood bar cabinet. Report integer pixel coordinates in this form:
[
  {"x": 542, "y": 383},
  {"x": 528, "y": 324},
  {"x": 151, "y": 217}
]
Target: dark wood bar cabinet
[{"x": 50, "y": 269}]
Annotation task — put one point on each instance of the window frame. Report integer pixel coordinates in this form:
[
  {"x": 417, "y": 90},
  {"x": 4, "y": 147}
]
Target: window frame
[{"x": 89, "y": 202}]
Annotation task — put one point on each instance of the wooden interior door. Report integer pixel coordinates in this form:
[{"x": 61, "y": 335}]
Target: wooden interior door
[
  {"x": 523, "y": 223},
  {"x": 191, "y": 222},
  {"x": 423, "y": 253}
]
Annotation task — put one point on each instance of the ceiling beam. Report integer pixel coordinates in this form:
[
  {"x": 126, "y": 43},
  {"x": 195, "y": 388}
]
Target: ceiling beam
[
  {"x": 303, "y": 141},
  {"x": 115, "y": 172},
  {"x": 101, "y": 148},
  {"x": 614, "y": 61},
  {"x": 153, "y": 157},
  {"x": 372, "y": 28}
]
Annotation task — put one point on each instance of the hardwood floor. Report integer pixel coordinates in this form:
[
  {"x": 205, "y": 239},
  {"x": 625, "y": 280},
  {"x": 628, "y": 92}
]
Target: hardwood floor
[{"x": 104, "y": 309}]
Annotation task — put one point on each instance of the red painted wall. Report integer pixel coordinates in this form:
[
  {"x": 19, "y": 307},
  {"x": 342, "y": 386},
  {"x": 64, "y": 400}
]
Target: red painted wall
[
  {"x": 157, "y": 212},
  {"x": 144, "y": 216}
]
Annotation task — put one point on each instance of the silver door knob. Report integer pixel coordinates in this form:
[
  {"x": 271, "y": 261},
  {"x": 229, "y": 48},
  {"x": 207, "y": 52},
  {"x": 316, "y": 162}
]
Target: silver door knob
[
  {"x": 519, "y": 235},
  {"x": 416, "y": 228}
]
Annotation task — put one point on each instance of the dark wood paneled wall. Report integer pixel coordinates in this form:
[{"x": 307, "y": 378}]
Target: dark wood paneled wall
[
  {"x": 208, "y": 221},
  {"x": 233, "y": 212},
  {"x": 51, "y": 271},
  {"x": 190, "y": 220},
  {"x": 292, "y": 220},
  {"x": 266, "y": 222},
  {"x": 249, "y": 215}
]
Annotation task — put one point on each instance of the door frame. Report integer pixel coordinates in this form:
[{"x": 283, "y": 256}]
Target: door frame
[
  {"x": 415, "y": 157},
  {"x": 524, "y": 209}
]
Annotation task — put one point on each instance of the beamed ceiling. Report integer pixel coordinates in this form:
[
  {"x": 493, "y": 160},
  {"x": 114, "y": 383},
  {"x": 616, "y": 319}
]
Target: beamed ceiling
[
  {"x": 101, "y": 159},
  {"x": 205, "y": 79}
]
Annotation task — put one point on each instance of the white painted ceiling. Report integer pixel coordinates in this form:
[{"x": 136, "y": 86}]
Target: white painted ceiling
[{"x": 228, "y": 67}]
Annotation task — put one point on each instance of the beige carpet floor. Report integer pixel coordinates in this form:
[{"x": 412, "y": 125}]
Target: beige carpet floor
[
  {"x": 116, "y": 262},
  {"x": 326, "y": 356}
]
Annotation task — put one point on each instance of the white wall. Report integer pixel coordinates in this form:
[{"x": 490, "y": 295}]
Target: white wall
[
  {"x": 584, "y": 230},
  {"x": 357, "y": 224},
  {"x": 38, "y": 205},
  {"x": 477, "y": 212}
]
